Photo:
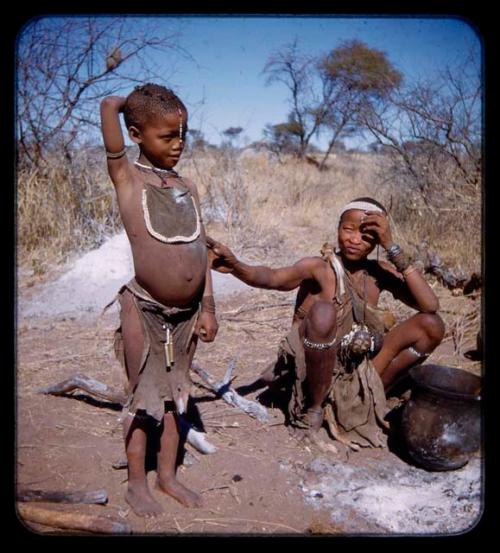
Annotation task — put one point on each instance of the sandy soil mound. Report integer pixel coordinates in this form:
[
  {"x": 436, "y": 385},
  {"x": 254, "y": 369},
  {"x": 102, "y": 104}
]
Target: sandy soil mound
[{"x": 91, "y": 282}]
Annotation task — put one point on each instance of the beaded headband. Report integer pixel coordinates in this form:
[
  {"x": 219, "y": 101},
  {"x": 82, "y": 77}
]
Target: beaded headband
[
  {"x": 180, "y": 124},
  {"x": 364, "y": 206}
]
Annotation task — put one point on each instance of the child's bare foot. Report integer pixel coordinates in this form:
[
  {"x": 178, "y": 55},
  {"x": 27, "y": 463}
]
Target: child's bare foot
[
  {"x": 140, "y": 499},
  {"x": 172, "y": 487}
]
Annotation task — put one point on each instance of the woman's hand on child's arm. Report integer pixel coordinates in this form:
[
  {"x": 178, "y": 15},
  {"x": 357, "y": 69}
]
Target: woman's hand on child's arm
[{"x": 220, "y": 257}]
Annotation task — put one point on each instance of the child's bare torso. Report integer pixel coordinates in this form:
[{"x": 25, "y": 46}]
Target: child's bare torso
[{"x": 174, "y": 274}]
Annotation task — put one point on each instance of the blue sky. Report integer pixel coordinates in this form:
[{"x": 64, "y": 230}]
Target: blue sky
[
  {"x": 222, "y": 83},
  {"x": 231, "y": 52}
]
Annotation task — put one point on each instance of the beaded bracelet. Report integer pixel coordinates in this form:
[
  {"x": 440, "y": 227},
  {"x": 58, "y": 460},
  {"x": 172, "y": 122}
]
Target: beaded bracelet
[
  {"x": 319, "y": 345},
  {"x": 410, "y": 269},
  {"x": 393, "y": 250},
  {"x": 208, "y": 304},
  {"x": 117, "y": 155},
  {"x": 401, "y": 262}
]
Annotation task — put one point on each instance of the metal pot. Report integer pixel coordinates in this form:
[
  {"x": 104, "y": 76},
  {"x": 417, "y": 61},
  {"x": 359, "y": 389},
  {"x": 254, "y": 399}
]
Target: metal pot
[{"x": 441, "y": 423}]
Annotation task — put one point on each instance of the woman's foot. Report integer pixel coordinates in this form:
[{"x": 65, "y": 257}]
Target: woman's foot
[
  {"x": 314, "y": 418},
  {"x": 142, "y": 502},
  {"x": 173, "y": 488}
]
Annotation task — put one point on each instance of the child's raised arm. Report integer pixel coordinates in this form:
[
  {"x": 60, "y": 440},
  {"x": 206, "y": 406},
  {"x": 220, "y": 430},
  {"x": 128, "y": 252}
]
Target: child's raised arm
[{"x": 118, "y": 166}]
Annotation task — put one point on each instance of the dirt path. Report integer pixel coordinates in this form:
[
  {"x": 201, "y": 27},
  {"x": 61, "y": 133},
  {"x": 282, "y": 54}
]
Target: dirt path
[{"x": 260, "y": 480}]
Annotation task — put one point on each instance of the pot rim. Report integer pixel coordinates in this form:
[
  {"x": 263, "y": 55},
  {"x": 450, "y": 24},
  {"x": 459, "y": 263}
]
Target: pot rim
[{"x": 416, "y": 374}]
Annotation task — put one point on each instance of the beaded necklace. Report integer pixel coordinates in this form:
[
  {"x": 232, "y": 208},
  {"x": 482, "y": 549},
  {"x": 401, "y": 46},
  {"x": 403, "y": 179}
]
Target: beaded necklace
[{"x": 162, "y": 174}]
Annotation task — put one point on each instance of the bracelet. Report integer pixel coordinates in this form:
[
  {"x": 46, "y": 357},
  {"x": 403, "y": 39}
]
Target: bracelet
[
  {"x": 410, "y": 269},
  {"x": 396, "y": 255},
  {"x": 111, "y": 155},
  {"x": 393, "y": 250},
  {"x": 401, "y": 262},
  {"x": 318, "y": 345},
  {"x": 208, "y": 304}
]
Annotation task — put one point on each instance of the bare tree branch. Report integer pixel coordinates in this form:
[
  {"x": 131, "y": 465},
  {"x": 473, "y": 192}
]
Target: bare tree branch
[{"x": 64, "y": 68}]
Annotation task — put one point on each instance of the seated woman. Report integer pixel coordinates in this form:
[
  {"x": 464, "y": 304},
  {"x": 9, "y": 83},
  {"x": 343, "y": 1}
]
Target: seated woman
[{"x": 342, "y": 351}]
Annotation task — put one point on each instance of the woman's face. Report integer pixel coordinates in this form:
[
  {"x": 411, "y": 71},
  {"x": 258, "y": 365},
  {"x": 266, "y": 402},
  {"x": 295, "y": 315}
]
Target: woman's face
[{"x": 354, "y": 243}]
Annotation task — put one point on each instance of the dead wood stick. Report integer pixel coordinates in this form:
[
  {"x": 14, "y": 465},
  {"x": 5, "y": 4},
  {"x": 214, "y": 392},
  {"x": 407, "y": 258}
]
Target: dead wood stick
[
  {"x": 73, "y": 521},
  {"x": 257, "y": 307},
  {"x": 222, "y": 425},
  {"x": 90, "y": 385},
  {"x": 196, "y": 438},
  {"x": 99, "y": 497},
  {"x": 222, "y": 389},
  {"x": 451, "y": 277},
  {"x": 214, "y": 488},
  {"x": 98, "y": 389},
  {"x": 260, "y": 522}
]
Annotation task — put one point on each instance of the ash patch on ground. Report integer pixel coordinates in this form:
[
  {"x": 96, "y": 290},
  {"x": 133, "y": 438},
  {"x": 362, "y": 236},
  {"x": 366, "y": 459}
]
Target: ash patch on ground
[
  {"x": 90, "y": 282},
  {"x": 377, "y": 492}
]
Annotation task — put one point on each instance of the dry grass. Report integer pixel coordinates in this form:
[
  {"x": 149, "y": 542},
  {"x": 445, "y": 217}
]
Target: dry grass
[
  {"x": 265, "y": 210},
  {"x": 63, "y": 209}
]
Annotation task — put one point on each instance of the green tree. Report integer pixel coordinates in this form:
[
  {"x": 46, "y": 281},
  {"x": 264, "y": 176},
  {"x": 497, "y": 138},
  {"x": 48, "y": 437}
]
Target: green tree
[
  {"x": 326, "y": 92},
  {"x": 231, "y": 134},
  {"x": 283, "y": 138},
  {"x": 354, "y": 77}
]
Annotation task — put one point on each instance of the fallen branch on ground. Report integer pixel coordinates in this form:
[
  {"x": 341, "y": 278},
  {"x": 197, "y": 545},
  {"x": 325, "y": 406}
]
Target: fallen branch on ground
[
  {"x": 90, "y": 385},
  {"x": 229, "y": 395},
  {"x": 99, "y": 390},
  {"x": 99, "y": 497},
  {"x": 73, "y": 521},
  {"x": 451, "y": 277}
]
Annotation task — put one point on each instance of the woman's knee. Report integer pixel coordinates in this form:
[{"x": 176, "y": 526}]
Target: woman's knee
[
  {"x": 321, "y": 321},
  {"x": 433, "y": 326}
]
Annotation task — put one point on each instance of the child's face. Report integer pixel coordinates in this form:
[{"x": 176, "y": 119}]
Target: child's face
[
  {"x": 161, "y": 141},
  {"x": 354, "y": 243}
]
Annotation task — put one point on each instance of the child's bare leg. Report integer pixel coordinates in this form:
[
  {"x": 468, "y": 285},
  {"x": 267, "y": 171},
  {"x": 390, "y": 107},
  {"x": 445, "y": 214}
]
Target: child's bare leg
[
  {"x": 167, "y": 480},
  {"x": 319, "y": 329},
  {"x": 422, "y": 333},
  {"x": 138, "y": 495},
  {"x": 167, "y": 456},
  {"x": 135, "y": 432}
]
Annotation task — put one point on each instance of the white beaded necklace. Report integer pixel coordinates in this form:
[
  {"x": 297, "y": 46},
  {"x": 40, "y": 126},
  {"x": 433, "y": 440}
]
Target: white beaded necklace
[{"x": 156, "y": 169}]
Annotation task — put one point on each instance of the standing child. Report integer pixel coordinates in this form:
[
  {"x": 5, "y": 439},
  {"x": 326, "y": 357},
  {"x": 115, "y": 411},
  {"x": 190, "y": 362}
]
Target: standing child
[{"x": 169, "y": 302}]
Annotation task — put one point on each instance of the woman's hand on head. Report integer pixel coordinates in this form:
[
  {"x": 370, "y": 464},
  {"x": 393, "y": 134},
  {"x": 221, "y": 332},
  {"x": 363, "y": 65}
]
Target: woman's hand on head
[{"x": 378, "y": 224}]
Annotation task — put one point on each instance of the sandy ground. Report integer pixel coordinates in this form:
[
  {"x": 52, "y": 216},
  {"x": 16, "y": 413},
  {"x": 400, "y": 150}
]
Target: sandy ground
[{"x": 260, "y": 480}]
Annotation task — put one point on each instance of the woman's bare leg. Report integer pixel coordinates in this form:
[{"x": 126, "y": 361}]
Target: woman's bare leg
[
  {"x": 423, "y": 333},
  {"x": 319, "y": 327}
]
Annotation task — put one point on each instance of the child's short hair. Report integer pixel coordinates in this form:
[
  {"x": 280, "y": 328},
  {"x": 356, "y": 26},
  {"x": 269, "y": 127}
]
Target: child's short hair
[{"x": 148, "y": 101}]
